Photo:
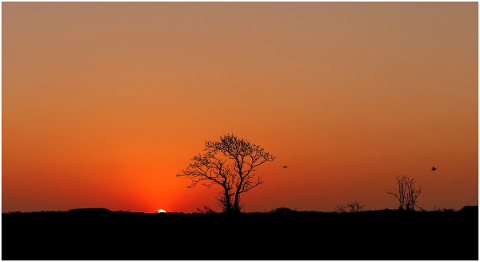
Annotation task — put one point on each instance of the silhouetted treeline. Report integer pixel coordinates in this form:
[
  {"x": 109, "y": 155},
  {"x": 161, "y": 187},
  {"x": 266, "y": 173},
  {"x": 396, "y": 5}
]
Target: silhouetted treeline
[{"x": 372, "y": 235}]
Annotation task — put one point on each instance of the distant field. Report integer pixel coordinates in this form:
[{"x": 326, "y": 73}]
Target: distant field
[{"x": 385, "y": 235}]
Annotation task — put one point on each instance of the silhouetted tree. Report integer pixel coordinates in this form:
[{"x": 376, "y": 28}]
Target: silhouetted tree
[
  {"x": 230, "y": 163},
  {"x": 406, "y": 193}
]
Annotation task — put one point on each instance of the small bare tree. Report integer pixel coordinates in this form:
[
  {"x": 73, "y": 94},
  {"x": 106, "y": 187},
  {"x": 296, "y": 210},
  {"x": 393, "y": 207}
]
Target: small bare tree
[
  {"x": 230, "y": 163},
  {"x": 406, "y": 193}
]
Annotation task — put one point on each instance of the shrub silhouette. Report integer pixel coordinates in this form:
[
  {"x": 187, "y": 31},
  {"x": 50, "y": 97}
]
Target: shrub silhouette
[
  {"x": 282, "y": 210},
  {"x": 406, "y": 193},
  {"x": 206, "y": 210},
  {"x": 447, "y": 210},
  {"x": 351, "y": 207}
]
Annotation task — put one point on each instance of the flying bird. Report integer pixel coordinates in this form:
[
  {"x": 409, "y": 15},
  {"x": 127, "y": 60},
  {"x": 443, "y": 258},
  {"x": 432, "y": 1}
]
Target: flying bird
[
  {"x": 434, "y": 168},
  {"x": 284, "y": 166}
]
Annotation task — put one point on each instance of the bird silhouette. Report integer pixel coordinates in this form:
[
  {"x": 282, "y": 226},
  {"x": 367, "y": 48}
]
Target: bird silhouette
[
  {"x": 434, "y": 168},
  {"x": 284, "y": 166}
]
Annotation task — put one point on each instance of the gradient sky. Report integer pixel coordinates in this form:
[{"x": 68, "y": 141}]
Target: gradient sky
[{"x": 104, "y": 103}]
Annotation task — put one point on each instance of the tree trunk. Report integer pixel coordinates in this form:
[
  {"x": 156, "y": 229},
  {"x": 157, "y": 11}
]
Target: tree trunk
[
  {"x": 236, "y": 206},
  {"x": 228, "y": 204}
]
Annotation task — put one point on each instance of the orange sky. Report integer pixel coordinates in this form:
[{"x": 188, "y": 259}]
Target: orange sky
[{"x": 104, "y": 103}]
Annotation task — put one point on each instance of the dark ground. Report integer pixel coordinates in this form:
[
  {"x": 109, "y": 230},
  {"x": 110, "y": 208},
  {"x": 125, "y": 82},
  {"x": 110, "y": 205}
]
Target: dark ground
[{"x": 369, "y": 235}]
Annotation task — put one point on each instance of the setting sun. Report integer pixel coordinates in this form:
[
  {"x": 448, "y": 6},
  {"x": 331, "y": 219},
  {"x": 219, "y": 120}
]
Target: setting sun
[{"x": 161, "y": 211}]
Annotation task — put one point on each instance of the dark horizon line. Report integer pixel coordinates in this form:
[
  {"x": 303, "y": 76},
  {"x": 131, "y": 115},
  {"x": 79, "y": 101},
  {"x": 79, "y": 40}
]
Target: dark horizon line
[{"x": 275, "y": 210}]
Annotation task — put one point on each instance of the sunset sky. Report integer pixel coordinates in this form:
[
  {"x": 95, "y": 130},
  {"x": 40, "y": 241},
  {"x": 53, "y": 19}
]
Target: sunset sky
[{"x": 104, "y": 103}]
